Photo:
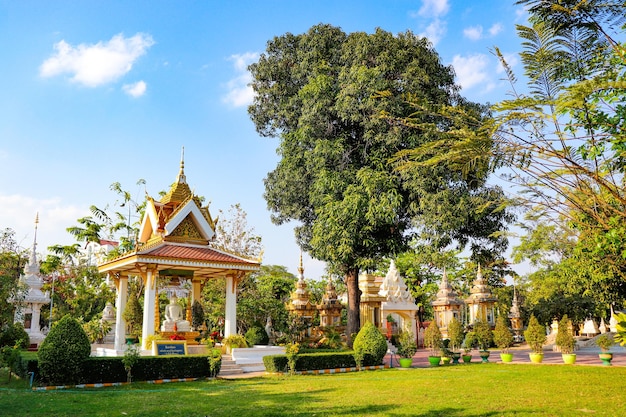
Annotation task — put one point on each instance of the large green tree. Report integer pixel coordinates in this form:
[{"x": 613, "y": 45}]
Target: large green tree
[
  {"x": 12, "y": 261},
  {"x": 322, "y": 93}
]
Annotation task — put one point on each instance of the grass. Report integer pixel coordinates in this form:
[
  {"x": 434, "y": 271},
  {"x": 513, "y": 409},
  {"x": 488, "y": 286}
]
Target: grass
[{"x": 468, "y": 390}]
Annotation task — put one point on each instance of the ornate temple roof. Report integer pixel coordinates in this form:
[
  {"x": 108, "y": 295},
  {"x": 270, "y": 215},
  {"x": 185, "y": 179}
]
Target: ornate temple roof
[
  {"x": 300, "y": 299},
  {"x": 446, "y": 294},
  {"x": 514, "y": 313},
  {"x": 393, "y": 287},
  {"x": 480, "y": 292}
]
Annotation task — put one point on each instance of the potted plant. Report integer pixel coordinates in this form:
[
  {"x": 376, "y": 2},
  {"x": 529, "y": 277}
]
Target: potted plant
[
  {"x": 234, "y": 341},
  {"x": 432, "y": 340},
  {"x": 407, "y": 348},
  {"x": 133, "y": 315},
  {"x": 503, "y": 339},
  {"x": 565, "y": 341},
  {"x": 484, "y": 338},
  {"x": 604, "y": 342},
  {"x": 455, "y": 334},
  {"x": 468, "y": 345},
  {"x": 535, "y": 336}
]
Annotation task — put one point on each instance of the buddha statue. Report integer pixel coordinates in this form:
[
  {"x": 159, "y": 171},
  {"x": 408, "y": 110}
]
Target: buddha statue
[{"x": 174, "y": 317}]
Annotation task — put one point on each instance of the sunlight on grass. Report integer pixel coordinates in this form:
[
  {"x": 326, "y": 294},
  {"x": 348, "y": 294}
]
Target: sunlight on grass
[{"x": 473, "y": 390}]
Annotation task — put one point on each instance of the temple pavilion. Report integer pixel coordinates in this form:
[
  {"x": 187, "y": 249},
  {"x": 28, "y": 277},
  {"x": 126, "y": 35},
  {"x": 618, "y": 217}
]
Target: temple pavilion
[
  {"x": 447, "y": 305},
  {"x": 174, "y": 241}
]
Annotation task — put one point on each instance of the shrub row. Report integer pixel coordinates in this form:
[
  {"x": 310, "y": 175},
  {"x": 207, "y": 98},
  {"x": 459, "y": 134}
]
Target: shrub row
[
  {"x": 111, "y": 369},
  {"x": 312, "y": 361}
]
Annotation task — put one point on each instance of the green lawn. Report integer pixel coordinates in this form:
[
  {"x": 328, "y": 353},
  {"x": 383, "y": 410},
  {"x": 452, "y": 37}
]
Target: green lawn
[{"x": 466, "y": 390}]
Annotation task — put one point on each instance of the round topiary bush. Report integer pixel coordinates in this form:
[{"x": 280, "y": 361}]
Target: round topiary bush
[
  {"x": 256, "y": 335},
  {"x": 63, "y": 351},
  {"x": 369, "y": 346}
]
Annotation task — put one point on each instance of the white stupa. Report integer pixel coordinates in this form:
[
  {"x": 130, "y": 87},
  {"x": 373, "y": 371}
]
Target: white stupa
[
  {"x": 28, "y": 308},
  {"x": 399, "y": 303}
]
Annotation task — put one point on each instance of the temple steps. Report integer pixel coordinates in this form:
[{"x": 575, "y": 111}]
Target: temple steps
[{"x": 229, "y": 367}]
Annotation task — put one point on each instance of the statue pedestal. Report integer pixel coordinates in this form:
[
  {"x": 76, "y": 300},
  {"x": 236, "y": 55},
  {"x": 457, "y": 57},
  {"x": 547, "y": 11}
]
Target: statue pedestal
[{"x": 190, "y": 337}]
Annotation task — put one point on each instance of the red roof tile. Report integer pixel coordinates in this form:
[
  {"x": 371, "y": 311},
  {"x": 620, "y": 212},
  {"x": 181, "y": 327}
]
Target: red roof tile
[{"x": 205, "y": 254}]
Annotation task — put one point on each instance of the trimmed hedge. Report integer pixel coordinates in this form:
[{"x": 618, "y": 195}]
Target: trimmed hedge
[
  {"x": 312, "y": 361},
  {"x": 111, "y": 369}
]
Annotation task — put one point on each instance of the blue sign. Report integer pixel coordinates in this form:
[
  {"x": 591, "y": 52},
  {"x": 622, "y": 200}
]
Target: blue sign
[{"x": 170, "y": 348}]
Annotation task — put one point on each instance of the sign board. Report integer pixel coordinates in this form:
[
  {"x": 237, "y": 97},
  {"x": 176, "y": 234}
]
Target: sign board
[{"x": 169, "y": 347}]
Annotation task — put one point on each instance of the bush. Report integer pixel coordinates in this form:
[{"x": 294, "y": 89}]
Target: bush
[
  {"x": 63, "y": 352},
  {"x": 407, "y": 345},
  {"x": 13, "y": 334},
  {"x": 369, "y": 345},
  {"x": 484, "y": 335},
  {"x": 257, "y": 335},
  {"x": 502, "y": 336},
  {"x": 235, "y": 341},
  {"x": 215, "y": 362},
  {"x": 432, "y": 338},
  {"x": 313, "y": 361},
  {"x": 564, "y": 337},
  {"x": 455, "y": 334},
  {"x": 535, "y": 335}
]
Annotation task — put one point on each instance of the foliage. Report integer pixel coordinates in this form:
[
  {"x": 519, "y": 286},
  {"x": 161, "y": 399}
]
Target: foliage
[
  {"x": 215, "y": 362},
  {"x": 130, "y": 358},
  {"x": 235, "y": 341},
  {"x": 407, "y": 345},
  {"x": 12, "y": 261},
  {"x": 313, "y": 361},
  {"x": 455, "y": 334},
  {"x": 13, "y": 335},
  {"x": 535, "y": 335},
  {"x": 484, "y": 334},
  {"x": 291, "y": 351},
  {"x": 9, "y": 357},
  {"x": 197, "y": 314},
  {"x": 133, "y": 312},
  {"x": 469, "y": 342},
  {"x": 63, "y": 351},
  {"x": 369, "y": 346},
  {"x": 620, "y": 336},
  {"x": 316, "y": 91},
  {"x": 502, "y": 336},
  {"x": 605, "y": 341},
  {"x": 432, "y": 338},
  {"x": 331, "y": 338},
  {"x": 257, "y": 335},
  {"x": 233, "y": 234},
  {"x": 564, "y": 337},
  {"x": 96, "y": 329}
]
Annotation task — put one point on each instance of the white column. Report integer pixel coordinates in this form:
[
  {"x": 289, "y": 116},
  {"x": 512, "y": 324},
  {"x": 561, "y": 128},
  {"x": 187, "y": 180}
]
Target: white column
[
  {"x": 148, "y": 308},
  {"x": 120, "y": 306},
  {"x": 230, "y": 322},
  {"x": 34, "y": 321}
]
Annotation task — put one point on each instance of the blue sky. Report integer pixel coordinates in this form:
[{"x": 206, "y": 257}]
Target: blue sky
[{"x": 96, "y": 92}]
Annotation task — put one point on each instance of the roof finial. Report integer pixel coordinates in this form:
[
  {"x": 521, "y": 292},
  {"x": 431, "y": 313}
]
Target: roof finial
[
  {"x": 181, "y": 175},
  {"x": 36, "y": 223},
  {"x": 301, "y": 268}
]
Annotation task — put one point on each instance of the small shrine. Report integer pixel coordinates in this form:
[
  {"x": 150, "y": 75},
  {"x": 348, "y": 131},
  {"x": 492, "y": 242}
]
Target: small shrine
[
  {"x": 370, "y": 306},
  {"x": 447, "y": 305},
  {"x": 330, "y": 307},
  {"x": 28, "y": 308},
  {"x": 398, "y": 302},
  {"x": 481, "y": 302},
  {"x": 516, "y": 318},
  {"x": 300, "y": 303},
  {"x": 174, "y": 243}
]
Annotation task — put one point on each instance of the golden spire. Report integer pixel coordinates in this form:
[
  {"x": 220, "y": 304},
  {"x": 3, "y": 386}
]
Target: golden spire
[
  {"x": 180, "y": 191},
  {"x": 301, "y": 268}
]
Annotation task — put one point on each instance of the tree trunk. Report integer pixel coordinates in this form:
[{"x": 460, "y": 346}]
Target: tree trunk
[{"x": 354, "y": 300}]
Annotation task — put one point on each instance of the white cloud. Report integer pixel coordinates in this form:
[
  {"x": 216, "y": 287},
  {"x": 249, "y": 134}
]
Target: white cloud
[
  {"x": 101, "y": 63},
  {"x": 473, "y": 32},
  {"x": 495, "y": 29},
  {"x": 239, "y": 92},
  {"x": 18, "y": 213},
  {"x": 135, "y": 90},
  {"x": 471, "y": 70},
  {"x": 435, "y": 31},
  {"x": 433, "y": 8}
]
